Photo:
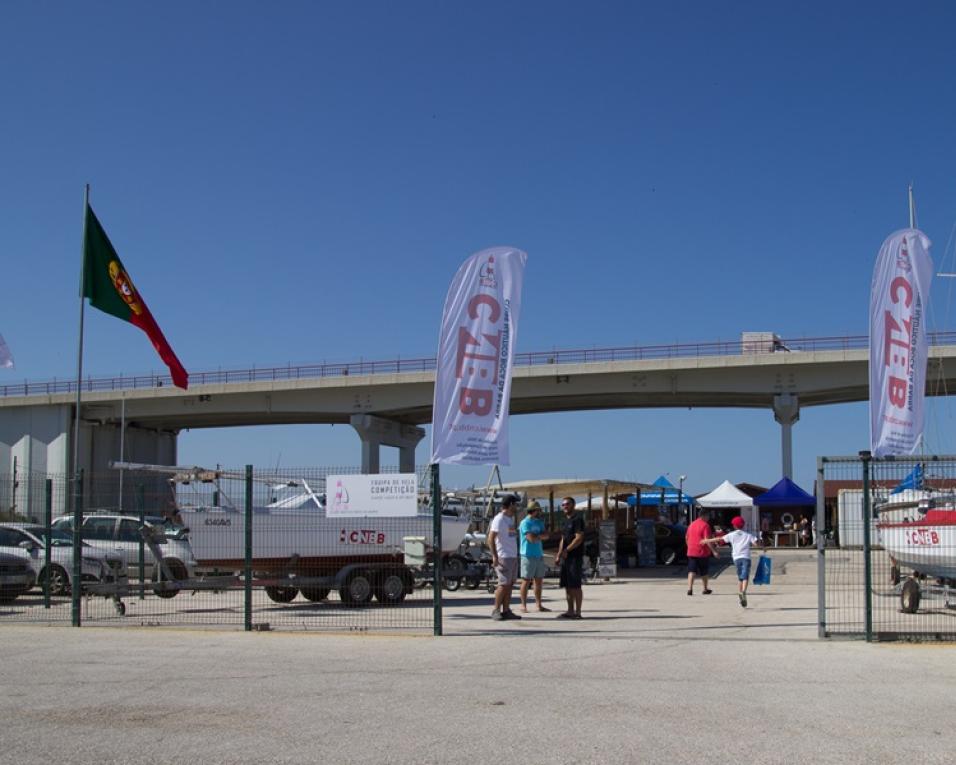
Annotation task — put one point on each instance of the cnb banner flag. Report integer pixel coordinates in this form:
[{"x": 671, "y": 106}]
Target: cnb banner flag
[
  {"x": 6, "y": 358},
  {"x": 109, "y": 288},
  {"x": 898, "y": 352},
  {"x": 475, "y": 359}
]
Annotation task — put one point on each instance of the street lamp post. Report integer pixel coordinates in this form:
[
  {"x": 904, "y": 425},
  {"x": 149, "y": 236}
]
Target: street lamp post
[{"x": 680, "y": 493}]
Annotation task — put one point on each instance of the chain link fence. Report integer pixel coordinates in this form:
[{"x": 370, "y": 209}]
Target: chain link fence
[
  {"x": 236, "y": 549},
  {"x": 887, "y": 551}
]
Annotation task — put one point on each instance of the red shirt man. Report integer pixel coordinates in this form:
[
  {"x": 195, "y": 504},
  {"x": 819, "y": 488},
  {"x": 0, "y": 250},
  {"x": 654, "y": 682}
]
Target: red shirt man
[{"x": 698, "y": 555}]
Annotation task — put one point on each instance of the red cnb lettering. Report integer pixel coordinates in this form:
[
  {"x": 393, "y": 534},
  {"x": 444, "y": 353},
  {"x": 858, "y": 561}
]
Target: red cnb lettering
[
  {"x": 899, "y": 283},
  {"x": 475, "y": 401},
  {"x": 934, "y": 537},
  {"x": 472, "y": 359},
  {"x": 480, "y": 300},
  {"x": 896, "y": 388},
  {"x": 381, "y": 537},
  {"x": 354, "y": 537},
  {"x": 895, "y": 335}
]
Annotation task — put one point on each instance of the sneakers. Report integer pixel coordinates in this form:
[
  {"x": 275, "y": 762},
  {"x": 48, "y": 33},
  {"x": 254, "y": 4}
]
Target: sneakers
[
  {"x": 743, "y": 599},
  {"x": 497, "y": 615},
  {"x": 690, "y": 592},
  {"x": 509, "y": 614},
  {"x": 707, "y": 592}
]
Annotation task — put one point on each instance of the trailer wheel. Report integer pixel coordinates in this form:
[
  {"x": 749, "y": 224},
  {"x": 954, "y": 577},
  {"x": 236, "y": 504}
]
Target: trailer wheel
[
  {"x": 910, "y": 596},
  {"x": 177, "y": 569},
  {"x": 667, "y": 556},
  {"x": 281, "y": 594},
  {"x": 357, "y": 590},
  {"x": 454, "y": 567},
  {"x": 315, "y": 594},
  {"x": 391, "y": 589}
]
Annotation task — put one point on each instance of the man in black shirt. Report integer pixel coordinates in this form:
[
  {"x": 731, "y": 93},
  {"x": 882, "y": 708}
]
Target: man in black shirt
[{"x": 571, "y": 558}]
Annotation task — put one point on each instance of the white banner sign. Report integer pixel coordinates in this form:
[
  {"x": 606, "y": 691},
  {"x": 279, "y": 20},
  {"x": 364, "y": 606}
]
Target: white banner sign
[
  {"x": 898, "y": 352},
  {"x": 6, "y": 358},
  {"x": 475, "y": 359},
  {"x": 381, "y": 495}
]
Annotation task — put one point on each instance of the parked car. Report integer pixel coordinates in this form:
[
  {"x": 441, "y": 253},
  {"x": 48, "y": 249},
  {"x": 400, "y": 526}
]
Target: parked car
[
  {"x": 16, "y": 577},
  {"x": 119, "y": 535},
  {"x": 27, "y": 541}
]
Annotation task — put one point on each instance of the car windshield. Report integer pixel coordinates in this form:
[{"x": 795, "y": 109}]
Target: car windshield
[{"x": 58, "y": 538}]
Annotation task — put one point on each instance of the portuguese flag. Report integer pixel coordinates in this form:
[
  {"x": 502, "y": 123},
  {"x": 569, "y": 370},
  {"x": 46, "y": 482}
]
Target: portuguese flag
[{"x": 109, "y": 288}]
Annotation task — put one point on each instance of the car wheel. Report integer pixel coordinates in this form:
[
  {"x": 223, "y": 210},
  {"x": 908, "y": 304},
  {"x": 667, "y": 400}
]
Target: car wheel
[
  {"x": 281, "y": 594},
  {"x": 56, "y": 579},
  {"x": 391, "y": 589},
  {"x": 315, "y": 594},
  {"x": 178, "y": 570},
  {"x": 667, "y": 556},
  {"x": 910, "y": 597},
  {"x": 357, "y": 590}
]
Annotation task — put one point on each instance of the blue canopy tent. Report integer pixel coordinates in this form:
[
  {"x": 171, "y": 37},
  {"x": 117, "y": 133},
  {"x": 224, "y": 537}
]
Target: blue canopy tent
[
  {"x": 785, "y": 494},
  {"x": 664, "y": 492}
]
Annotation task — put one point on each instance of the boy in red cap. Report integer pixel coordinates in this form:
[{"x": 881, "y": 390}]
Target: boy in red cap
[{"x": 740, "y": 542}]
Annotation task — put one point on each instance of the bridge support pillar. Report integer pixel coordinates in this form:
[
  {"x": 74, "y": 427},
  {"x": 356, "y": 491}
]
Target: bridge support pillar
[
  {"x": 376, "y": 432},
  {"x": 786, "y": 411}
]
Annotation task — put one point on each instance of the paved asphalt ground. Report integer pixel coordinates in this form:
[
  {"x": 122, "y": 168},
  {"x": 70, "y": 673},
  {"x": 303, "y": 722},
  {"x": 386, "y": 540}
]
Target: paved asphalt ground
[{"x": 649, "y": 676}]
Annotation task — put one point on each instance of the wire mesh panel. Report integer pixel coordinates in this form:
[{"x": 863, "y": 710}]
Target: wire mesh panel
[
  {"x": 889, "y": 567},
  {"x": 227, "y": 548}
]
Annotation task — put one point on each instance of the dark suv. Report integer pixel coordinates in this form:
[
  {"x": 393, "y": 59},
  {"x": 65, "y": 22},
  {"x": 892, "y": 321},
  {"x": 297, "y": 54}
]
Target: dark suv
[{"x": 669, "y": 539}]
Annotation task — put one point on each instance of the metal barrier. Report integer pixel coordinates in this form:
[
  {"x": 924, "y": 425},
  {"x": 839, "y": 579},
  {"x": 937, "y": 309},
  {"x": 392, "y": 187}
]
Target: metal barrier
[
  {"x": 236, "y": 549},
  {"x": 887, "y": 550}
]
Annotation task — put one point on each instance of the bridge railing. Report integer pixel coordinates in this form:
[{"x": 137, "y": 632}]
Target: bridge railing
[{"x": 399, "y": 365}]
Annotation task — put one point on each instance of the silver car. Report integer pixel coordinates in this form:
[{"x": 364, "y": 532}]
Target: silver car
[
  {"x": 16, "y": 577},
  {"x": 120, "y": 536},
  {"x": 28, "y": 542}
]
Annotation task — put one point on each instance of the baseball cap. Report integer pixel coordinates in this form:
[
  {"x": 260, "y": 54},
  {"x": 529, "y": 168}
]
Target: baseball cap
[{"x": 737, "y": 522}]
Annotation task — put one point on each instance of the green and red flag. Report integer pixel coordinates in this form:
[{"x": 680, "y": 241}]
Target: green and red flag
[{"x": 109, "y": 288}]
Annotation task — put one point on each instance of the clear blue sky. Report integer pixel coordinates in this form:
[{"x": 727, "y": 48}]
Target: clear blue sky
[{"x": 298, "y": 182}]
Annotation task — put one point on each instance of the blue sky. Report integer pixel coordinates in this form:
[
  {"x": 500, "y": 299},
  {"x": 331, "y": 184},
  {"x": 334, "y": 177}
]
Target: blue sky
[{"x": 298, "y": 182}]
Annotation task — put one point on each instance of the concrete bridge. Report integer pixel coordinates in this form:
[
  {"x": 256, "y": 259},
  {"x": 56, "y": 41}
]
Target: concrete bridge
[{"x": 387, "y": 401}]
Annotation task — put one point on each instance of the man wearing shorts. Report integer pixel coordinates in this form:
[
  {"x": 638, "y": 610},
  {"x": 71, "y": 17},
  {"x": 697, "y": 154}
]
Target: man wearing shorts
[
  {"x": 531, "y": 532},
  {"x": 503, "y": 542},
  {"x": 698, "y": 553},
  {"x": 571, "y": 559}
]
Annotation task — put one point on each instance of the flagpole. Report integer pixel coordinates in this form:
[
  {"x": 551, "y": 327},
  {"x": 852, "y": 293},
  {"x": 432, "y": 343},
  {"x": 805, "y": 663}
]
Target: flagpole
[
  {"x": 912, "y": 208},
  {"x": 77, "y": 486}
]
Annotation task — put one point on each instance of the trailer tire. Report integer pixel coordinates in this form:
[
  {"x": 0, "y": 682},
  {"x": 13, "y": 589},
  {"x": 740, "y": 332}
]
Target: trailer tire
[
  {"x": 910, "y": 597},
  {"x": 314, "y": 594},
  {"x": 177, "y": 569},
  {"x": 667, "y": 556},
  {"x": 390, "y": 589},
  {"x": 357, "y": 590},
  {"x": 454, "y": 568},
  {"x": 281, "y": 594}
]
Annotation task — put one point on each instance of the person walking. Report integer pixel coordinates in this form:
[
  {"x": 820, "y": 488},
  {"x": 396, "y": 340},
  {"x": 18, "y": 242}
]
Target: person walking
[
  {"x": 740, "y": 542},
  {"x": 698, "y": 553},
  {"x": 503, "y": 542},
  {"x": 571, "y": 558},
  {"x": 531, "y": 532}
]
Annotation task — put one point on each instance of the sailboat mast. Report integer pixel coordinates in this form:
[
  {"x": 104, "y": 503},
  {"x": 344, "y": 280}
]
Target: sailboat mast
[{"x": 912, "y": 208}]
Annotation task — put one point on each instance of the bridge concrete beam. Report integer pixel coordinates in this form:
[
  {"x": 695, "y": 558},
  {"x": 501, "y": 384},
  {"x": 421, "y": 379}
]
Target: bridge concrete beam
[{"x": 376, "y": 432}]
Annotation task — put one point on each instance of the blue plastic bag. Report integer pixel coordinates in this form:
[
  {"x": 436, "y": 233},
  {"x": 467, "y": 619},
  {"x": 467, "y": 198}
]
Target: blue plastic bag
[{"x": 762, "y": 573}]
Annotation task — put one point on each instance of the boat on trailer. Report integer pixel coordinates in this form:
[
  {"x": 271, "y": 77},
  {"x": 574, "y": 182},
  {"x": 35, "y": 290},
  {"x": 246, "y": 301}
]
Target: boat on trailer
[
  {"x": 918, "y": 531},
  {"x": 296, "y": 547}
]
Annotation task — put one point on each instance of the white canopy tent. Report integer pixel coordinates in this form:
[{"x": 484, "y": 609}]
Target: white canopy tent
[{"x": 728, "y": 495}]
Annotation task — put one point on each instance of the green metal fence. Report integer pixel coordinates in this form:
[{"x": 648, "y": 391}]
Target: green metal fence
[
  {"x": 887, "y": 547},
  {"x": 239, "y": 549}
]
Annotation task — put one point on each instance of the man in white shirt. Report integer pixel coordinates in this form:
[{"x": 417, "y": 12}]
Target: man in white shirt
[{"x": 503, "y": 542}]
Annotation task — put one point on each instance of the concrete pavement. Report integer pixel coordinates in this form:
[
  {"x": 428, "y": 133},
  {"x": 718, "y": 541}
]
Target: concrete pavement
[{"x": 650, "y": 675}]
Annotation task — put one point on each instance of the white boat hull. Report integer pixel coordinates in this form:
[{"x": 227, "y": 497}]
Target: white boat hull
[
  {"x": 305, "y": 540},
  {"x": 923, "y": 542}
]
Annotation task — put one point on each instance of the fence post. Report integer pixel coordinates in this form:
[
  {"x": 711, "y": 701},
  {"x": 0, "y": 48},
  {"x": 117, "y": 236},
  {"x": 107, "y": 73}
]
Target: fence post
[
  {"x": 865, "y": 457},
  {"x": 141, "y": 499},
  {"x": 247, "y": 578},
  {"x": 76, "y": 589},
  {"x": 48, "y": 521},
  {"x": 821, "y": 551},
  {"x": 436, "y": 548}
]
